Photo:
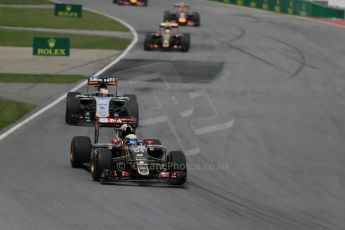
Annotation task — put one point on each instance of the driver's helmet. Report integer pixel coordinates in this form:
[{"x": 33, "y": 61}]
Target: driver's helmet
[
  {"x": 182, "y": 7},
  {"x": 126, "y": 130},
  {"x": 131, "y": 139},
  {"x": 102, "y": 92}
]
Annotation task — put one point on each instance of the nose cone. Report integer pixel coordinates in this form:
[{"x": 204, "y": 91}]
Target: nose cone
[{"x": 143, "y": 169}]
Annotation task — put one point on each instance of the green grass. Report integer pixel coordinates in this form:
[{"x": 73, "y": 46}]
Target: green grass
[
  {"x": 39, "y": 78},
  {"x": 45, "y": 18},
  {"x": 11, "y": 111},
  {"x": 24, "y": 39},
  {"x": 25, "y": 2}
]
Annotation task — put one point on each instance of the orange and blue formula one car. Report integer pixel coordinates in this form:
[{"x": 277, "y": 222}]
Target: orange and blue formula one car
[{"x": 182, "y": 15}]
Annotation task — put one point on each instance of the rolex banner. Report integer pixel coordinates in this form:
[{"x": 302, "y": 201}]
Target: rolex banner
[
  {"x": 43, "y": 46},
  {"x": 68, "y": 10}
]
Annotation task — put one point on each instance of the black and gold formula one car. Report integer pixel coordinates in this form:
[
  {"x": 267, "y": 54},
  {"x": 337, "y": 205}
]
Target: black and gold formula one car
[
  {"x": 129, "y": 160},
  {"x": 132, "y": 2},
  {"x": 167, "y": 38}
]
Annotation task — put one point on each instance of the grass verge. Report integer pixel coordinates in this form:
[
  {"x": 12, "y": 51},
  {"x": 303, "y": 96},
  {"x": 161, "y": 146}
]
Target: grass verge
[
  {"x": 45, "y": 18},
  {"x": 23, "y": 38},
  {"x": 11, "y": 111},
  {"x": 24, "y": 2},
  {"x": 39, "y": 78}
]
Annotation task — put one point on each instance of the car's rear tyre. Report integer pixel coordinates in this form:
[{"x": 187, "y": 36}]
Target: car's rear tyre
[
  {"x": 176, "y": 162},
  {"x": 185, "y": 42},
  {"x": 72, "y": 111},
  {"x": 102, "y": 161},
  {"x": 196, "y": 19},
  {"x": 133, "y": 107},
  {"x": 67, "y": 115},
  {"x": 70, "y": 96},
  {"x": 145, "y": 2},
  {"x": 115, "y": 1},
  {"x": 80, "y": 151},
  {"x": 167, "y": 16}
]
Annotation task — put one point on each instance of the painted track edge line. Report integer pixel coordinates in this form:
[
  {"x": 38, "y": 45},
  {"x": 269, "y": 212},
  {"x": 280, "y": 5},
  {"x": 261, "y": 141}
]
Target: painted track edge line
[{"x": 62, "y": 97}]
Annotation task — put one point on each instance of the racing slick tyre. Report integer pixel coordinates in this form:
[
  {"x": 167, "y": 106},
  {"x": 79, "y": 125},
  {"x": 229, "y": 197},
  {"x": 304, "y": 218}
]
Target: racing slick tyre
[
  {"x": 167, "y": 16},
  {"x": 145, "y": 2},
  {"x": 196, "y": 19},
  {"x": 115, "y": 1},
  {"x": 148, "y": 41},
  {"x": 133, "y": 107},
  {"x": 80, "y": 151},
  {"x": 72, "y": 111},
  {"x": 185, "y": 42},
  {"x": 176, "y": 162},
  {"x": 70, "y": 96},
  {"x": 102, "y": 161}
]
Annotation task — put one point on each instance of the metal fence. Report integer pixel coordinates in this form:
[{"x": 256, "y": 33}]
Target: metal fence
[{"x": 292, "y": 7}]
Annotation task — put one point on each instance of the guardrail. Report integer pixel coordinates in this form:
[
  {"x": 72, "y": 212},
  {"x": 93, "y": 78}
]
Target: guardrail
[{"x": 292, "y": 7}]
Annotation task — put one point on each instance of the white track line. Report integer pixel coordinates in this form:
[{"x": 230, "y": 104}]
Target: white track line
[
  {"x": 214, "y": 128},
  {"x": 61, "y": 98}
]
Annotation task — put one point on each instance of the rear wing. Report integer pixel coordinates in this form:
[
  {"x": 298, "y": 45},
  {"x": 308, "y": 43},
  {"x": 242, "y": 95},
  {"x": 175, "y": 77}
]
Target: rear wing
[
  {"x": 116, "y": 122},
  {"x": 99, "y": 82},
  {"x": 181, "y": 4},
  {"x": 168, "y": 25}
]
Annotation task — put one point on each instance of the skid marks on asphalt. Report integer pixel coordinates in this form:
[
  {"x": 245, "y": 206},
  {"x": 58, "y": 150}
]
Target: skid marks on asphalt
[{"x": 173, "y": 108}]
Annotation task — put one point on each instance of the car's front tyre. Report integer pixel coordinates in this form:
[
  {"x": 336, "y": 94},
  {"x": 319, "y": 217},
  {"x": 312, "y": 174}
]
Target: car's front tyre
[
  {"x": 102, "y": 160},
  {"x": 185, "y": 42},
  {"x": 80, "y": 151},
  {"x": 176, "y": 163}
]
